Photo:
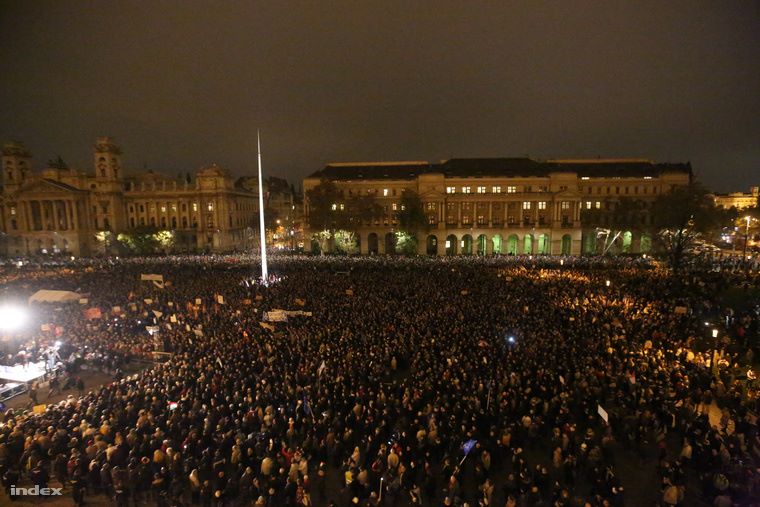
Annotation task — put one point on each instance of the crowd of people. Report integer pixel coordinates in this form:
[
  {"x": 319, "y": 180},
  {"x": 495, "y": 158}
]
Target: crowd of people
[{"x": 457, "y": 381}]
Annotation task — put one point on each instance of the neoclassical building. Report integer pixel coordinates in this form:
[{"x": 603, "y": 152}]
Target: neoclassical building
[
  {"x": 738, "y": 200},
  {"x": 506, "y": 205},
  {"x": 64, "y": 210}
]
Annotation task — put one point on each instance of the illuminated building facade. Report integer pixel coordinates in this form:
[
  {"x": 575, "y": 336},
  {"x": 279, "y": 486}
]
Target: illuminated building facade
[
  {"x": 64, "y": 210},
  {"x": 506, "y": 205},
  {"x": 738, "y": 200}
]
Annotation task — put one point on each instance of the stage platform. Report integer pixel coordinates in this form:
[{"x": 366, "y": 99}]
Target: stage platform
[
  {"x": 22, "y": 373},
  {"x": 11, "y": 390}
]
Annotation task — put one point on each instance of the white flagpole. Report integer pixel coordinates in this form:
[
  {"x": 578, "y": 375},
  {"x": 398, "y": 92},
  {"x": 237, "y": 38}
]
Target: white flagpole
[{"x": 264, "y": 271}]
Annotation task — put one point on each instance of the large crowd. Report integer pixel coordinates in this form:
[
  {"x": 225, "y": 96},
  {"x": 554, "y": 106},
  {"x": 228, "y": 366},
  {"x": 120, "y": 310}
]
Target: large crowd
[{"x": 459, "y": 381}]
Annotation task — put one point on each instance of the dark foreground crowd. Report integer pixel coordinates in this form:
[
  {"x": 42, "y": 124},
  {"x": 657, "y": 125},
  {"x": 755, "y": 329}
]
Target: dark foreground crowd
[{"x": 412, "y": 382}]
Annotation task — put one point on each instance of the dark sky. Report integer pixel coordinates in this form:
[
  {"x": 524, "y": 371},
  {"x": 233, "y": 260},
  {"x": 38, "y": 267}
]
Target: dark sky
[{"x": 183, "y": 84}]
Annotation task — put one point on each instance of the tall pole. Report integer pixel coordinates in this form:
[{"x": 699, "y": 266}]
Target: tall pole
[
  {"x": 746, "y": 239},
  {"x": 263, "y": 242}
]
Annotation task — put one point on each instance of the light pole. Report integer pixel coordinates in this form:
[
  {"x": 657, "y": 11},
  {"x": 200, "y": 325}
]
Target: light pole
[{"x": 746, "y": 238}]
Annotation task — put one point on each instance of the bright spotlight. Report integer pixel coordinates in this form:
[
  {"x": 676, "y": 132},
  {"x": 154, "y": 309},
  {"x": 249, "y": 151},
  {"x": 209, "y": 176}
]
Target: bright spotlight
[
  {"x": 12, "y": 317},
  {"x": 511, "y": 339}
]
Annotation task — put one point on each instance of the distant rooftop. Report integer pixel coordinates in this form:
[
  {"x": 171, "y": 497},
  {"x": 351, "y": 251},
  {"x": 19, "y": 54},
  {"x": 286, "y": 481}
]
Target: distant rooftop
[{"x": 498, "y": 167}]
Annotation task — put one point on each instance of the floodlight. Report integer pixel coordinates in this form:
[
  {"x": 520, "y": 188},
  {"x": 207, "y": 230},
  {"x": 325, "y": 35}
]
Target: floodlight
[
  {"x": 12, "y": 317},
  {"x": 511, "y": 339},
  {"x": 715, "y": 333}
]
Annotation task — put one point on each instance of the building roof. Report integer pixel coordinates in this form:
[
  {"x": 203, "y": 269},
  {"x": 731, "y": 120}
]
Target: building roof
[
  {"x": 492, "y": 167},
  {"x": 373, "y": 170},
  {"x": 62, "y": 185},
  {"x": 499, "y": 167}
]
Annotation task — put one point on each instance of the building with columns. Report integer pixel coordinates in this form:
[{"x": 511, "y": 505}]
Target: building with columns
[
  {"x": 738, "y": 200},
  {"x": 64, "y": 210},
  {"x": 503, "y": 205}
]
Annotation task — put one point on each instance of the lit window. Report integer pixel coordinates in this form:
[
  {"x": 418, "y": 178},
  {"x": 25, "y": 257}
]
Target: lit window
[
  {"x": 451, "y": 190},
  {"x": 334, "y": 206},
  {"x": 481, "y": 190},
  {"x": 395, "y": 206},
  {"x": 448, "y": 243},
  {"x": 403, "y": 207},
  {"x": 431, "y": 206},
  {"x": 13, "y": 210},
  {"x": 465, "y": 190},
  {"x": 588, "y": 204},
  {"x": 598, "y": 205},
  {"x": 163, "y": 208},
  {"x": 542, "y": 205},
  {"x": 584, "y": 177},
  {"x": 211, "y": 206},
  {"x": 342, "y": 207},
  {"x": 511, "y": 190},
  {"x": 174, "y": 207},
  {"x": 495, "y": 190},
  {"x": 385, "y": 192},
  {"x": 195, "y": 206},
  {"x": 565, "y": 204},
  {"x": 647, "y": 177},
  {"x": 526, "y": 205}
]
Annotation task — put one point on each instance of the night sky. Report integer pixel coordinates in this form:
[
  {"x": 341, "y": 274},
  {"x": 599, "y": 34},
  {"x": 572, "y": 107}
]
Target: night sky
[{"x": 184, "y": 84}]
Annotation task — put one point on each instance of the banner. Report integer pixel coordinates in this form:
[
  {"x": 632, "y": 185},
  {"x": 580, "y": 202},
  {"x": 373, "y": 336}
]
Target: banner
[
  {"x": 247, "y": 302},
  {"x": 83, "y": 301},
  {"x": 276, "y": 316},
  {"x": 154, "y": 278},
  {"x": 148, "y": 301},
  {"x": 157, "y": 313},
  {"x": 39, "y": 409},
  {"x": 92, "y": 313},
  {"x": 116, "y": 310},
  {"x": 220, "y": 299},
  {"x": 603, "y": 413},
  {"x": 680, "y": 310},
  {"x": 349, "y": 292},
  {"x": 267, "y": 325},
  {"x": 160, "y": 285}
]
